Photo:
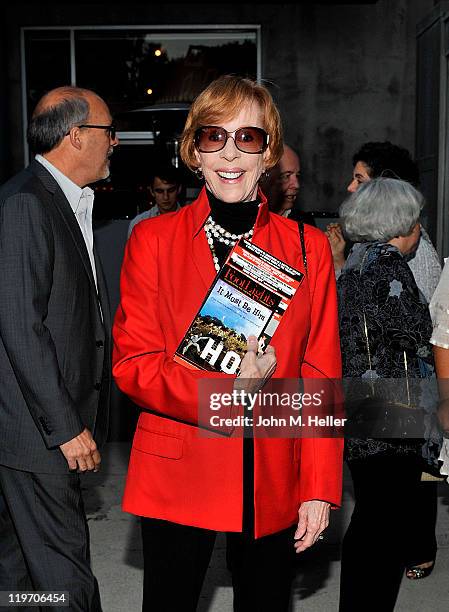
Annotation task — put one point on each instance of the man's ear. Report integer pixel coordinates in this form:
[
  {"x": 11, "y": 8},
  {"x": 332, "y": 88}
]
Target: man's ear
[{"x": 75, "y": 137}]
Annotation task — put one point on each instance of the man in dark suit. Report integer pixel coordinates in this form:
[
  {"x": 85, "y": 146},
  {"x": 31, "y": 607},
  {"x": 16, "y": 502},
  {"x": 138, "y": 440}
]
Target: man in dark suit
[{"x": 54, "y": 349}]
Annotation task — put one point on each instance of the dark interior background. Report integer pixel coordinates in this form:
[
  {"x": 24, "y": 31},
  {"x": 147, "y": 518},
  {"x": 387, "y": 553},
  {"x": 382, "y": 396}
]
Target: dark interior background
[{"x": 341, "y": 73}]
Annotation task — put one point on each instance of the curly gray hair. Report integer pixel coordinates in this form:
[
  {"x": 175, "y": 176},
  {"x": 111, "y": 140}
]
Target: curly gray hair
[{"x": 381, "y": 209}]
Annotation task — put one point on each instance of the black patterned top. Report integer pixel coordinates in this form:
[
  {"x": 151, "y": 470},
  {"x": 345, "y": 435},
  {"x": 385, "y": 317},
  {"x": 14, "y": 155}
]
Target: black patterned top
[{"x": 376, "y": 283}]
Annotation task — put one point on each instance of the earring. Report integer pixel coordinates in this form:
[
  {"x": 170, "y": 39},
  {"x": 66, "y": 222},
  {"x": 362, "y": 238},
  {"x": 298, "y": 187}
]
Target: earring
[
  {"x": 265, "y": 175},
  {"x": 199, "y": 174}
]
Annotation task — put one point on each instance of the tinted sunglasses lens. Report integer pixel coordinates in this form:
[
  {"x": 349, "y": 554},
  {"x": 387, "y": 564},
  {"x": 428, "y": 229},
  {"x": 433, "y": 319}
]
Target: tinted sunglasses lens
[
  {"x": 210, "y": 139},
  {"x": 112, "y": 131},
  {"x": 250, "y": 139}
]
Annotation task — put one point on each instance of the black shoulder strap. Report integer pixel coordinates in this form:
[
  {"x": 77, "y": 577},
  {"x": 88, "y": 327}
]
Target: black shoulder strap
[{"x": 303, "y": 245}]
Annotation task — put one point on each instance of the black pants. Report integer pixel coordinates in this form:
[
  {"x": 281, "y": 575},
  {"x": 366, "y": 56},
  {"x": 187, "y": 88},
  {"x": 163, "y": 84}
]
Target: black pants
[
  {"x": 176, "y": 558},
  {"x": 380, "y": 538},
  {"x": 44, "y": 539},
  {"x": 423, "y": 547}
]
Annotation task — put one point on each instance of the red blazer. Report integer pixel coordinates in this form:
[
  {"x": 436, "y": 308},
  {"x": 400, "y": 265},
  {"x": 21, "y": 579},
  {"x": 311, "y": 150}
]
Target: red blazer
[{"x": 175, "y": 474}]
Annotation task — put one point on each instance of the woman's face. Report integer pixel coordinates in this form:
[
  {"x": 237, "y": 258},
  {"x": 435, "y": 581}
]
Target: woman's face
[
  {"x": 232, "y": 175},
  {"x": 360, "y": 175}
]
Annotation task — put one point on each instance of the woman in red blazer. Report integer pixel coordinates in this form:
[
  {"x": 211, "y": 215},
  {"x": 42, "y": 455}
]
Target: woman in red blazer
[{"x": 270, "y": 495}]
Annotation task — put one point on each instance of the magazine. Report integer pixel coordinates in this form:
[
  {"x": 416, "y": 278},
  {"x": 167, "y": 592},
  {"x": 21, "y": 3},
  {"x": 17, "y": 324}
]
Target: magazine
[{"x": 249, "y": 296}]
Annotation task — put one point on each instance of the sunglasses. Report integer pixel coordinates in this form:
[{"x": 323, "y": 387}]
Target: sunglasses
[
  {"x": 110, "y": 128},
  {"x": 211, "y": 138}
]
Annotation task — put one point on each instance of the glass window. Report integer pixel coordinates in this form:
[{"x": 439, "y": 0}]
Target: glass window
[
  {"x": 47, "y": 61},
  {"x": 148, "y": 76},
  {"x": 134, "y": 68}
]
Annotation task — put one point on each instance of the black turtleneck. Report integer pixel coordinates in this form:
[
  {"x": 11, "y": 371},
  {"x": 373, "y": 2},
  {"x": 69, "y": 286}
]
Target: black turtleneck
[
  {"x": 238, "y": 218},
  {"x": 235, "y": 217}
]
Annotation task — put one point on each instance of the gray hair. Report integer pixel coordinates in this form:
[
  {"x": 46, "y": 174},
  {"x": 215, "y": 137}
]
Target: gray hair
[
  {"x": 381, "y": 209},
  {"x": 50, "y": 123}
]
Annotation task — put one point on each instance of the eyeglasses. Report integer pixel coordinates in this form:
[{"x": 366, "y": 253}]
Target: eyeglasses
[
  {"x": 211, "y": 138},
  {"x": 110, "y": 128}
]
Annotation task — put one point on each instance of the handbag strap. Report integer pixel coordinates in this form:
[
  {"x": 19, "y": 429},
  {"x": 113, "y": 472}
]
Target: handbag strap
[{"x": 303, "y": 244}]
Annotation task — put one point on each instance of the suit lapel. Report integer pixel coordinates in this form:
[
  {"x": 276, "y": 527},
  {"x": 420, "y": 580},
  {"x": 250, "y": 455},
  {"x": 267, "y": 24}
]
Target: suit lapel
[
  {"x": 67, "y": 214},
  {"x": 103, "y": 297},
  {"x": 62, "y": 205}
]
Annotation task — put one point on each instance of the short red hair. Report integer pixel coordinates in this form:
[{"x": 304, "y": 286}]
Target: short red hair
[{"x": 223, "y": 100}]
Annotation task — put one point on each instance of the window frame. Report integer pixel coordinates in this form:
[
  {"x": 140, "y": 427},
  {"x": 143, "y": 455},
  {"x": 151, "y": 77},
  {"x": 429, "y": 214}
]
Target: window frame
[{"x": 159, "y": 30}]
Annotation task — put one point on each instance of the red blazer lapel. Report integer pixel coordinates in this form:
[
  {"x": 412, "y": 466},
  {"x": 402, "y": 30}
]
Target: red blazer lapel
[{"x": 202, "y": 256}]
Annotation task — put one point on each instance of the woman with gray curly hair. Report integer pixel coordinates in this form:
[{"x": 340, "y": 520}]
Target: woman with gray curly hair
[
  {"x": 385, "y": 329},
  {"x": 383, "y": 210}
]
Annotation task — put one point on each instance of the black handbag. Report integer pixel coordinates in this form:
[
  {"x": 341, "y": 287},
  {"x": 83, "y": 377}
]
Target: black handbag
[{"x": 380, "y": 419}]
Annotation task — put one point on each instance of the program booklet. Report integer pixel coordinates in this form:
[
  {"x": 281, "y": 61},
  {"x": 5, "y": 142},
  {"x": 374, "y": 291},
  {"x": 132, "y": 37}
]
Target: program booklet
[{"x": 249, "y": 296}]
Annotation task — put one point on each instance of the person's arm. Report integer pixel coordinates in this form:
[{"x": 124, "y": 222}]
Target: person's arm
[
  {"x": 313, "y": 518},
  {"x": 425, "y": 266},
  {"x": 337, "y": 243},
  {"x": 142, "y": 367},
  {"x": 439, "y": 311},
  {"x": 26, "y": 269},
  {"x": 321, "y": 459},
  {"x": 81, "y": 453},
  {"x": 137, "y": 219},
  {"x": 441, "y": 356}
]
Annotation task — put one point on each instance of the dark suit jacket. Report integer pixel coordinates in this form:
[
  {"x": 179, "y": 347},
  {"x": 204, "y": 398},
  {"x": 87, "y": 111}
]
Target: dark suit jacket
[{"x": 54, "y": 345}]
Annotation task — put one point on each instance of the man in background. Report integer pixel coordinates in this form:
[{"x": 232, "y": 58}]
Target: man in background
[
  {"x": 165, "y": 188},
  {"x": 54, "y": 350},
  {"x": 282, "y": 187}
]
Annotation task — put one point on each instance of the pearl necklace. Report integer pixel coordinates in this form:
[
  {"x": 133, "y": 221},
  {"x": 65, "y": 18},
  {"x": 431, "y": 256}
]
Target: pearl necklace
[
  {"x": 223, "y": 235},
  {"x": 214, "y": 230}
]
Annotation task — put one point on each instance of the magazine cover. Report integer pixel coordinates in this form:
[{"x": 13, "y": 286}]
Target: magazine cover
[{"x": 249, "y": 296}]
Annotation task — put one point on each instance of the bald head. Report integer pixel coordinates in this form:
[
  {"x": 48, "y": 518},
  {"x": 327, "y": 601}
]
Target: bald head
[
  {"x": 289, "y": 161},
  {"x": 55, "y": 113},
  {"x": 57, "y": 96},
  {"x": 72, "y": 128}
]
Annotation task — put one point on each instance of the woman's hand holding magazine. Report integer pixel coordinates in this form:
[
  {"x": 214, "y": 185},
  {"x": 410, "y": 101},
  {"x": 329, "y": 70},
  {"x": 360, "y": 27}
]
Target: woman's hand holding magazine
[{"x": 255, "y": 368}]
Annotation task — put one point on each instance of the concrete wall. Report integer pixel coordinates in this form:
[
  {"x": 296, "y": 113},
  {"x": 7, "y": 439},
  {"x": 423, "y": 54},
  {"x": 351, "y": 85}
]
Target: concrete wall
[{"x": 341, "y": 74}]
